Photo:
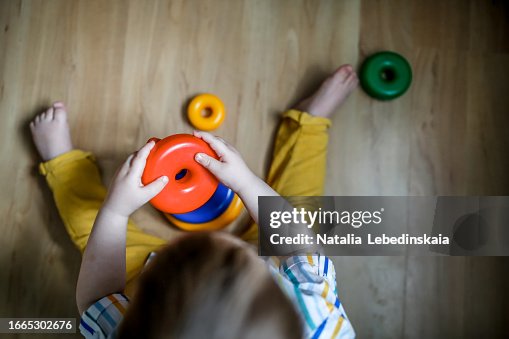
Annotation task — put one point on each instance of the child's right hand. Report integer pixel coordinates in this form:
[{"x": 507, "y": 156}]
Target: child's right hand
[
  {"x": 127, "y": 193},
  {"x": 230, "y": 169}
]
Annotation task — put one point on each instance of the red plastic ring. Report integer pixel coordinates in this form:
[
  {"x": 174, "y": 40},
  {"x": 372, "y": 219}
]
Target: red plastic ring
[{"x": 186, "y": 190}]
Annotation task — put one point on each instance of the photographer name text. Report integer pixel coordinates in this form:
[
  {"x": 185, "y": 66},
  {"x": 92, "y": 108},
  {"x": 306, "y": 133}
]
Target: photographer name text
[{"x": 351, "y": 239}]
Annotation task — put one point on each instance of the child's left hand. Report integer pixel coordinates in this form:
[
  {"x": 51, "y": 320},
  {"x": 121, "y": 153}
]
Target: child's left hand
[{"x": 127, "y": 193}]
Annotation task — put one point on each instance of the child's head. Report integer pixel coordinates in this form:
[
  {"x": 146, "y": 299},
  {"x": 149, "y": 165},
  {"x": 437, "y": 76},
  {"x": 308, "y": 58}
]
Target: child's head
[{"x": 209, "y": 285}]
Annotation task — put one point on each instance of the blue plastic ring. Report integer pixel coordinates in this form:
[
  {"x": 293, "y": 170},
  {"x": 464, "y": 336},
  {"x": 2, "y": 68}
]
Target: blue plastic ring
[{"x": 212, "y": 209}]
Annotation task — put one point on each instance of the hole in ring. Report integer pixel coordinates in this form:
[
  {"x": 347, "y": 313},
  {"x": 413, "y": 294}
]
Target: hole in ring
[
  {"x": 387, "y": 74},
  {"x": 181, "y": 174},
  {"x": 206, "y": 112}
]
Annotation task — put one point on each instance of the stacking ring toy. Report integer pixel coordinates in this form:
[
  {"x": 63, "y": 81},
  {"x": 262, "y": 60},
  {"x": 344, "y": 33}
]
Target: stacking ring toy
[
  {"x": 212, "y": 209},
  {"x": 190, "y": 185},
  {"x": 385, "y": 75},
  {"x": 206, "y": 102},
  {"x": 231, "y": 213}
]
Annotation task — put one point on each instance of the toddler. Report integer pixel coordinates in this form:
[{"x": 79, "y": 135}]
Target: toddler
[{"x": 199, "y": 285}]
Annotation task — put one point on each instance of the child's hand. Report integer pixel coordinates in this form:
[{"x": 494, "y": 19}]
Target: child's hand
[
  {"x": 230, "y": 169},
  {"x": 127, "y": 193}
]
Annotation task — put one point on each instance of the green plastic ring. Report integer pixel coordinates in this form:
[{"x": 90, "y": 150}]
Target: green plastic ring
[{"x": 385, "y": 75}]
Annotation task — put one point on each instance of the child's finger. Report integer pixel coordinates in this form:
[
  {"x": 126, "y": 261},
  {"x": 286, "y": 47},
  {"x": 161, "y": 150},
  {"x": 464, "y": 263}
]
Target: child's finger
[
  {"x": 125, "y": 166},
  {"x": 139, "y": 161},
  {"x": 228, "y": 145},
  {"x": 156, "y": 186},
  {"x": 217, "y": 145},
  {"x": 132, "y": 158},
  {"x": 209, "y": 163},
  {"x": 221, "y": 139}
]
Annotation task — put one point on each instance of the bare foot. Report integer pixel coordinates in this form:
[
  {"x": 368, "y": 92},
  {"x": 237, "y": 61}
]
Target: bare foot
[
  {"x": 331, "y": 94},
  {"x": 50, "y": 132}
]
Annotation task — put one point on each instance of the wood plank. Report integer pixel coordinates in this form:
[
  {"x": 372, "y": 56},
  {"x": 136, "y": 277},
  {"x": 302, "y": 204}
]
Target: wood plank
[{"x": 128, "y": 68}]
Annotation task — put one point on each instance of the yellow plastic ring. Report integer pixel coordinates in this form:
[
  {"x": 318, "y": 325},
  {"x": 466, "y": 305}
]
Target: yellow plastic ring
[
  {"x": 206, "y": 102},
  {"x": 231, "y": 213}
]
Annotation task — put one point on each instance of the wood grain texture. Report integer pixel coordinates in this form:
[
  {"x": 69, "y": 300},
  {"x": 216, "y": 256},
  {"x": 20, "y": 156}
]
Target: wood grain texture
[{"x": 127, "y": 70}]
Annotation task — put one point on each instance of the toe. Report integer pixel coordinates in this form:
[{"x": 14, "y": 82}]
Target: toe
[
  {"x": 342, "y": 73},
  {"x": 49, "y": 114},
  {"x": 346, "y": 67},
  {"x": 60, "y": 114},
  {"x": 352, "y": 80},
  {"x": 351, "y": 77},
  {"x": 32, "y": 125},
  {"x": 59, "y": 104},
  {"x": 38, "y": 118}
]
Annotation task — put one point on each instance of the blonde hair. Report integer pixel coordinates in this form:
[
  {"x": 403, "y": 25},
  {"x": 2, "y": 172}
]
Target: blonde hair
[{"x": 205, "y": 286}]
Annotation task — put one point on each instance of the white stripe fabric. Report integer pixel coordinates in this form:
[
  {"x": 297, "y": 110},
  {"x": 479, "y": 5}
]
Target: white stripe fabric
[
  {"x": 310, "y": 282},
  {"x": 101, "y": 319}
]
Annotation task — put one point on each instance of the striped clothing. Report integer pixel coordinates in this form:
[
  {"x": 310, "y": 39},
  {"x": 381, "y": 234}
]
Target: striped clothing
[
  {"x": 309, "y": 281},
  {"x": 101, "y": 320}
]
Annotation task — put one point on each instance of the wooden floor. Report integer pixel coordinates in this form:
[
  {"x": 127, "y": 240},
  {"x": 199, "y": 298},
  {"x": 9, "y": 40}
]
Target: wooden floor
[{"x": 127, "y": 69}]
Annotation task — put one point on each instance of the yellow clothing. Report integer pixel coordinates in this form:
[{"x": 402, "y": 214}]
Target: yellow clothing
[
  {"x": 299, "y": 160},
  {"x": 298, "y": 168},
  {"x": 79, "y": 193}
]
